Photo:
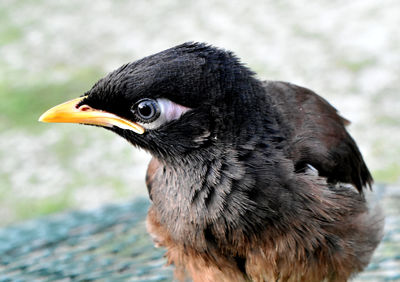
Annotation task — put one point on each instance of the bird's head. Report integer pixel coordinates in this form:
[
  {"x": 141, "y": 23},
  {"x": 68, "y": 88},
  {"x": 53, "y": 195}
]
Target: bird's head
[{"x": 171, "y": 103}]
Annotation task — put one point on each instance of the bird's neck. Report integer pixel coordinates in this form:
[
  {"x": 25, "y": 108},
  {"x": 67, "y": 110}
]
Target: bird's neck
[
  {"x": 201, "y": 197},
  {"x": 192, "y": 192}
]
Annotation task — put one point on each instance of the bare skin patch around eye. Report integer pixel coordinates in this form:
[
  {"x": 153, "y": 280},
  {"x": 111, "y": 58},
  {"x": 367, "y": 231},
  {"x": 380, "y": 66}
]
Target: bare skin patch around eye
[{"x": 169, "y": 111}]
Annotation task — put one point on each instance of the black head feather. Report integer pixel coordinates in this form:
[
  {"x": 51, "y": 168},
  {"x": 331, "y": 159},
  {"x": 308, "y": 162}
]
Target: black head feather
[{"x": 212, "y": 82}]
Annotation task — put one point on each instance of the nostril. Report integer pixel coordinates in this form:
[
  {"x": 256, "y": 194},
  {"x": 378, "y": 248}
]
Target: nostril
[{"x": 84, "y": 108}]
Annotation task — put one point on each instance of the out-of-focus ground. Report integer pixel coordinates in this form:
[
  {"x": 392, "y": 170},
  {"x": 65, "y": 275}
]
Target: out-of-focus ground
[
  {"x": 110, "y": 243},
  {"x": 51, "y": 51}
]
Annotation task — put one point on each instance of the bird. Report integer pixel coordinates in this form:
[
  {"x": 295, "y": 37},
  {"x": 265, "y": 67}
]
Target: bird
[{"x": 250, "y": 180}]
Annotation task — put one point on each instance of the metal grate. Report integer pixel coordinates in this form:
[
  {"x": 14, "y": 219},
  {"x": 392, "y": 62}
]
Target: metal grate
[{"x": 111, "y": 244}]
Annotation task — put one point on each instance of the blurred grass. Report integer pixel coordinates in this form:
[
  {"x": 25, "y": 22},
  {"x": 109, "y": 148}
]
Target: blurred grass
[
  {"x": 9, "y": 32},
  {"x": 24, "y": 101},
  {"x": 355, "y": 65},
  {"x": 390, "y": 174},
  {"x": 44, "y": 206}
]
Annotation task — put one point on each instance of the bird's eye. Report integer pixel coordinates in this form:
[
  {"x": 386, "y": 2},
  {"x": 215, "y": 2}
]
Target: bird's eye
[
  {"x": 153, "y": 113},
  {"x": 146, "y": 110}
]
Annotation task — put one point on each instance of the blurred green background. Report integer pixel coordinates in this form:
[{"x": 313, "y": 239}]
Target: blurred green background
[{"x": 51, "y": 51}]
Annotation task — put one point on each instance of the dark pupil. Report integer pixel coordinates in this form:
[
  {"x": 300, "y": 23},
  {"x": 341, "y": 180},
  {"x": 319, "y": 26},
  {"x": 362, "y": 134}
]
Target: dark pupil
[{"x": 146, "y": 109}]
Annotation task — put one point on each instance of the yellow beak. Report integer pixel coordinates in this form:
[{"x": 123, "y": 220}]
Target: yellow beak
[{"x": 69, "y": 112}]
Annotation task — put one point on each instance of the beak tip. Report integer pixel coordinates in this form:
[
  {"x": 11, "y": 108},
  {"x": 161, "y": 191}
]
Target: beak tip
[{"x": 42, "y": 118}]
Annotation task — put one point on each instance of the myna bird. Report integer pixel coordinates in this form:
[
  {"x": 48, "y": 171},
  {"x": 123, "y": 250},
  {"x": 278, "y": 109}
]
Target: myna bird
[{"x": 249, "y": 180}]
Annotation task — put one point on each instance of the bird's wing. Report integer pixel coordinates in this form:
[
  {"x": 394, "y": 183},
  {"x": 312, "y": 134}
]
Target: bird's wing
[{"x": 317, "y": 136}]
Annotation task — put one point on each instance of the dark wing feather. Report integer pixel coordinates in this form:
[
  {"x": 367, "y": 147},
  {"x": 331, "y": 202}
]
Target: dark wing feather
[{"x": 316, "y": 135}]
